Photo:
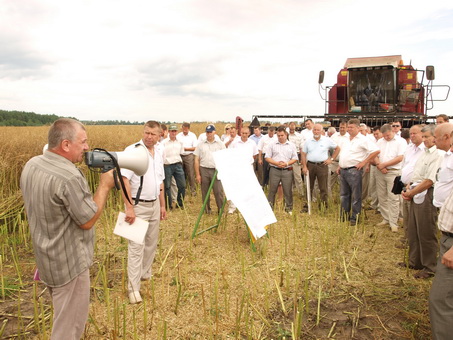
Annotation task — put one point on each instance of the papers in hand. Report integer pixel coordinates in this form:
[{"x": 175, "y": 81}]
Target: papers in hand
[{"x": 134, "y": 232}]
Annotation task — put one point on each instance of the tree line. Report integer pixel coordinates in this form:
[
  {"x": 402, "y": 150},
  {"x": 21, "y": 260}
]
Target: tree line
[{"x": 21, "y": 118}]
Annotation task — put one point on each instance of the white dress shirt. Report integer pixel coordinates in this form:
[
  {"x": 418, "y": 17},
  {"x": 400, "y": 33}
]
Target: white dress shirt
[
  {"x": 356, "y": 150},
  {"x": 390, "y": 150},
  {"x": 188, "y": 141},
  {"x": 411, "y": 156}
]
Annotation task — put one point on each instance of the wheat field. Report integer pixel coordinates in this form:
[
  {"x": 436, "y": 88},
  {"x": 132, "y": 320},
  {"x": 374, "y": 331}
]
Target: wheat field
[{"x": 311, "y": 277}]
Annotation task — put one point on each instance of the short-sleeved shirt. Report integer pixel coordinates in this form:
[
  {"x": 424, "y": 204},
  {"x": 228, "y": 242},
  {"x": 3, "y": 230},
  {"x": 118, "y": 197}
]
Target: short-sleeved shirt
[
  {"x": 445, "y": 221},
  {"x": 256, "y": 138},
  {"x": 204, "y": 151},
  {"x": 339, "y": 139},
  {"x": 153, "y": 177},
  {"x": 188, "y": 141},
  {"x": 58, "y": 201},
  {"x": 356, "y": 150},
  {"x": 392, "y": 149},
  {"x": 297, "y": 140},
  {"x": 265, "y": 141},
  {"x": 318, "y": 150},
  {"x": 427, "y": 165},
  {"x": 250, "y": 145},
  {"x": 281, "y": 152},
  {"x": 173, "y": 151},
  {"x": 413, "y": 152},
  {"x": 444, "y": 184}
]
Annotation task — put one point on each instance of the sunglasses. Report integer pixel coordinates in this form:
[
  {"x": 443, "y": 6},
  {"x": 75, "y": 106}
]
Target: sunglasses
[{"x": 395, "y": 125}]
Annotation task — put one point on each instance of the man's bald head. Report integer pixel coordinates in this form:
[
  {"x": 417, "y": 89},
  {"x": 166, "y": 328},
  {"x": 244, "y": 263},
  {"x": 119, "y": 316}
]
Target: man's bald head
[{"x": 442, "y": 136}]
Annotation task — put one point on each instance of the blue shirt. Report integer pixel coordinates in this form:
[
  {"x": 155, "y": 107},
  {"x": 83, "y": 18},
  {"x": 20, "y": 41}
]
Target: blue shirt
[
  {"x": 318, "y": 150},
  {"x": 255, "y": 138}
]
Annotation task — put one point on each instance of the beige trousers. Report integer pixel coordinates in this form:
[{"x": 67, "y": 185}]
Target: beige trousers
[
  {"x": 140, "y": 257},
  {"x": 333, "y": 176},
  {"x": 372, "y": 188},
  {"x": 389, "y": 203},
  {"x": 297, "y": 178},
  {"x": 71, "y": 304}
]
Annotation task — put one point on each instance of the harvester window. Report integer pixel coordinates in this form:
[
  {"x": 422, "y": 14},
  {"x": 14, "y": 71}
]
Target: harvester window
[{"x": 371, "y": 90}]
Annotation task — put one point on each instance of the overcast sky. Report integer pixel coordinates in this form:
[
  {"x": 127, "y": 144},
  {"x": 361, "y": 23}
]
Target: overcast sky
[{"x": 204, "y": 60}]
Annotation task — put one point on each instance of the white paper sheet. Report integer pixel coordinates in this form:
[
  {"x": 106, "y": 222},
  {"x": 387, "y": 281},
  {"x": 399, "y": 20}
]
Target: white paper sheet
[
  {"x": 134, "y": 232},
  {"x": 242, "y": 187}
]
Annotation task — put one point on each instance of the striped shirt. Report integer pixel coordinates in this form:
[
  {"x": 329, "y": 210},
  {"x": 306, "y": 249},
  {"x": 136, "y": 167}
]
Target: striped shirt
[
  {"x": 445, "y": 221},
  {"x": 281, "y": 152},
  {"x": 57, "y": 201}
]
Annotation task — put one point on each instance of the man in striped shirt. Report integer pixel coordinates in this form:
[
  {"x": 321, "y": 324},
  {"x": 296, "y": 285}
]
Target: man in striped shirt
[
  {"x": 61, "y": 214},
  {"x": 281, "y": 155}
]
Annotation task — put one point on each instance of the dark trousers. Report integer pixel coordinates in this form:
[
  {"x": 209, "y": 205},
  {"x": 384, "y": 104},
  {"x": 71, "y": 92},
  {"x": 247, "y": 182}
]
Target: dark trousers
[
  {"x": 351, "y": 193},
  {"x": 320, "y": 172},
  {"x": 266, "y": 169},
  {"x": 189, "y": 170},
  {"x": 174, "y": 170},
  {"x": 258, "y": 171},
  {"x": 207, "y": 174},
  {"x": 422, "y": 233},
  {"x": 277, "y": 176}
]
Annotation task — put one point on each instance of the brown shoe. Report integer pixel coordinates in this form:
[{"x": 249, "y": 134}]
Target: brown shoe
[
  {"x": 423, "y": 274},
  {"x": 404, "y": 265}
]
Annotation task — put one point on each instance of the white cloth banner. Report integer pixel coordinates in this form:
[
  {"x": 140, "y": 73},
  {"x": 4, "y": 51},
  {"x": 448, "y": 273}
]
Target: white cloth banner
[{"x": 242, "y": 187}]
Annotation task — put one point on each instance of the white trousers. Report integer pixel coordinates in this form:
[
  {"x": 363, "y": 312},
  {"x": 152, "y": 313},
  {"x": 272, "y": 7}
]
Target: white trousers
[
  {"x": 389, "y": 203},
  {"x": 140, "y": 257}
]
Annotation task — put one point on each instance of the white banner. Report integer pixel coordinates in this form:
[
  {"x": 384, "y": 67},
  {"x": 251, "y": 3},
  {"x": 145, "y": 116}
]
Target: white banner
[{"x": 242, "y": 187}]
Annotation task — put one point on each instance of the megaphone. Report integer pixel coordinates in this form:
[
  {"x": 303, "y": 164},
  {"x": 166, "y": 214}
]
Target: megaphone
[{"x": 135, "y": 159}]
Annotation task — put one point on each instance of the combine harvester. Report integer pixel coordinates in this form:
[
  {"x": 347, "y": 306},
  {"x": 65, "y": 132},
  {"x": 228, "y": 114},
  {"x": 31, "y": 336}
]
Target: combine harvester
[{"x": 377, "y": 90}]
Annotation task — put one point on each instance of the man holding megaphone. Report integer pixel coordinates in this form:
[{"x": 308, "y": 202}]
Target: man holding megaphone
[
  {"x": 61, "y": 214},
  {"x": 147, "y": 192}
]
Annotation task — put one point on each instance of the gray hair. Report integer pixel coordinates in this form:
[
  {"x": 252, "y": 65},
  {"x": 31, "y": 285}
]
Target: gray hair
[
  {"x": 63, "y": 129},
  {"x": 429, "y": 128},
  {"x": 386, "y": 128}
]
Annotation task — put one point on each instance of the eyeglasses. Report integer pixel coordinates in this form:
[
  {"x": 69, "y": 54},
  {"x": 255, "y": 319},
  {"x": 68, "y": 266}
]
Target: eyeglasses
[{"x": 395, "y": 125}]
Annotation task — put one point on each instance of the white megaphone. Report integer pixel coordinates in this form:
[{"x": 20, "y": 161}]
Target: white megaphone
[{"x": 135, "y": 159}]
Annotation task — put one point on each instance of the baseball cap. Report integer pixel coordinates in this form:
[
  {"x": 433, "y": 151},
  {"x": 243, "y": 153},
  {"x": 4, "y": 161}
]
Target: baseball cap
[
  {"x": 173, "y": 128},
  {"x": 210, "y": 128}
]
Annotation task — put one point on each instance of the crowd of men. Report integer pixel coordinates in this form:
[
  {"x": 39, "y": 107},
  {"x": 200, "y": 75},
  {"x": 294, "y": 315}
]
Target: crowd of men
[{"x": 405, "y": 175}]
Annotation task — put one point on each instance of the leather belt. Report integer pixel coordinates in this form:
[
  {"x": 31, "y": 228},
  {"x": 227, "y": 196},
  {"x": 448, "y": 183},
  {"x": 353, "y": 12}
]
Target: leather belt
[
  {"x": 446, "y": 233},
  {"x": 288, "y": 168},
  {"x": 144, "y": 201},
  {"x": 316, "y": 163},
  {"x": 351, "y": 167}
]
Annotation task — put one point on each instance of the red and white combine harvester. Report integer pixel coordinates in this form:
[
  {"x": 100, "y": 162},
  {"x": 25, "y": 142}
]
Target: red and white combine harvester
[{"x": 377, "y": 90}]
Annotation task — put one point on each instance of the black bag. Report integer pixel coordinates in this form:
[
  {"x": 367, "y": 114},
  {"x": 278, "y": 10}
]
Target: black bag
[{"x": 398, "y": 186}]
